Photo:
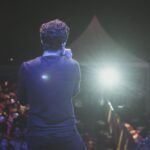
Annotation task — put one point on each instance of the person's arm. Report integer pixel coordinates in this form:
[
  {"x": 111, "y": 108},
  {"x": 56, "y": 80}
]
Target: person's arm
[
  {"x": 77, "y": 80},
  {"x": 21, "y": 86}
]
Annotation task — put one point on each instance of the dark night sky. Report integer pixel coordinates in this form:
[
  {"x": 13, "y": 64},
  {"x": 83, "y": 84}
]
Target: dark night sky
[{"x": 128, "y": 23}]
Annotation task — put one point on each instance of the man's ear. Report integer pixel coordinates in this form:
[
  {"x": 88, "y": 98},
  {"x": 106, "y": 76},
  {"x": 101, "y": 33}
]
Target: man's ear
[{"x": 63, "y": 44}]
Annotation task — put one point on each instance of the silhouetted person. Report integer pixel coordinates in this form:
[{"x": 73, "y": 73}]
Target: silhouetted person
[{"x": 47, "y": 84}]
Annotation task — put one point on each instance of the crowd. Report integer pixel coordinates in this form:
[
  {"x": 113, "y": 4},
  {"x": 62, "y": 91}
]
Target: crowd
[
  {"x": 13, "y": 130},
  {"x": 12, "y": 119}
]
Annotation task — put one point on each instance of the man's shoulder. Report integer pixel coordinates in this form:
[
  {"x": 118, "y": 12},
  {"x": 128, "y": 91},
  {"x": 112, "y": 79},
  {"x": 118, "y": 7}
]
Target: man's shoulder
[
  {"x": 71, "y": 63},
  {"x": 32, "y": 62},
  {"x": 37, "y": 61},
  {"x": 74, "y": 61}
]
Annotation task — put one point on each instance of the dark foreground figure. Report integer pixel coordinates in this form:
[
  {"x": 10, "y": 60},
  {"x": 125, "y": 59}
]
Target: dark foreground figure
[{"x": 47, "y": 84}]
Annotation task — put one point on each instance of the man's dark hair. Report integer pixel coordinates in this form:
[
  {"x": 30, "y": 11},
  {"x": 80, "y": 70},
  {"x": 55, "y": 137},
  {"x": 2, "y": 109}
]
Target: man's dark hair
[{"x": 53, "y": 34}]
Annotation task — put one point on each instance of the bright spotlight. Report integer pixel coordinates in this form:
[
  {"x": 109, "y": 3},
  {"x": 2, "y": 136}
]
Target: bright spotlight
[{"x": 109, "y": 77}]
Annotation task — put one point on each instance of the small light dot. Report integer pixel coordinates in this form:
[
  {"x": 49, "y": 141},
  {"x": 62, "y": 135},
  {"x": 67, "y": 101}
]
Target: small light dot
[
  {"x": 45, "y": 77},
  {"x": 11, "y": 59}
]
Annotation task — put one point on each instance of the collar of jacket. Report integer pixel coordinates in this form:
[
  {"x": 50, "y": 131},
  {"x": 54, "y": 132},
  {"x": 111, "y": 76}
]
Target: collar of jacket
[{"x": 52, "y": 53}]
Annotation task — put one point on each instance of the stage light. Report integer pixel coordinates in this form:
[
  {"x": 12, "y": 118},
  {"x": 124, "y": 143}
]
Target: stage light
[{"x": 109, "y": 77}]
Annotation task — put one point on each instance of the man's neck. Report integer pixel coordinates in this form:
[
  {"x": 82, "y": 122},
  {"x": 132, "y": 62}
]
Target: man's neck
[{"x": 52, "y": 53}]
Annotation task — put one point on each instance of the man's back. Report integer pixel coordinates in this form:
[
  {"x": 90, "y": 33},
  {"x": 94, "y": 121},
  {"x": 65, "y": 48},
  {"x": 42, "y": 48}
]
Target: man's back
[{"x": 47, "y": 84}]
